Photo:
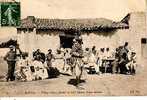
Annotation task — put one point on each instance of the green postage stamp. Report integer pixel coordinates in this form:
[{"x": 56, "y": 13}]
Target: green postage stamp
[{"x": 10, "y": 13}]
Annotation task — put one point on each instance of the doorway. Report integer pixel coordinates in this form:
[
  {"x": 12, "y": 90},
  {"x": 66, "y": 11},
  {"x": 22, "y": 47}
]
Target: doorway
[
  {"x": 66, "y": 42},
  {"x": 66, "y": 38}
]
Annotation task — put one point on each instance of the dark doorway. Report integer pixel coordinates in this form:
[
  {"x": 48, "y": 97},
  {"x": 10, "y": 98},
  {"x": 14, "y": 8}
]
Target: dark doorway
[
  {"x": 66, "y": 38},
  {"x": 66, "y": 42}
]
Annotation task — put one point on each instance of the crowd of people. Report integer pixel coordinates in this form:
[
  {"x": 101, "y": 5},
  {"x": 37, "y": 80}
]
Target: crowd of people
[{"x": 94, "y": 61}]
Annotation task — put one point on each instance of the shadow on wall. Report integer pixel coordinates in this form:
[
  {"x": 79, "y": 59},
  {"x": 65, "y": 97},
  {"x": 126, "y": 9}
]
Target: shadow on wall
[{"x": 104, "y": 32}]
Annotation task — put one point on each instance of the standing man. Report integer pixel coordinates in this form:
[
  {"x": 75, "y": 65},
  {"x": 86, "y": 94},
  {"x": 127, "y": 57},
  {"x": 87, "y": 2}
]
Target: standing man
[
  {"x": 49, "y": 58},
  {"x": 124, "y": 49},
  {"x": 66, "y": 60},
  {"x": 77, "y": 55},
  {"x": 115, "y": 63},
  {"x": 123, "y": 58},
  {"x": 52, "y": 71},
  {"x": 11, "y": 61},
  {"x": 94, "y": 50}
]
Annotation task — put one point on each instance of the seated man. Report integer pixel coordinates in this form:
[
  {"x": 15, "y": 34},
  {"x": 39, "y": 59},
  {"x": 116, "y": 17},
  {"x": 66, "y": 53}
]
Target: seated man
[
  {"x": 40, "y": 72},
  {"x": 38, "y": 55},
  {"x": 24, "y": 73},
  {"x": 108, "y": 53},
  {"x": 92, "y": 63},
  {"x": 122, "y": 63},
  {"x": 131, "y": 65},
  {"x": 86, "y": 55}
]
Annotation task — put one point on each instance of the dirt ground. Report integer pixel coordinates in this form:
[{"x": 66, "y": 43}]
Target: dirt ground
[{"x": 95, "y": 85}]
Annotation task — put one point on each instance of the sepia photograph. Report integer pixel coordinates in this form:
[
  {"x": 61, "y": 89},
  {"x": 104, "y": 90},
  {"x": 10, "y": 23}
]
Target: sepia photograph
[{"x": 73, "y": 48}]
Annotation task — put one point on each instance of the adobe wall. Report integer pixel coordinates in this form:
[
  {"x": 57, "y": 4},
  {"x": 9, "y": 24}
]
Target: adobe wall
[
  {"x": 32, "y": 41},
  {"x": 133, "y": 35},
  {"x": 100, "y": 41}
]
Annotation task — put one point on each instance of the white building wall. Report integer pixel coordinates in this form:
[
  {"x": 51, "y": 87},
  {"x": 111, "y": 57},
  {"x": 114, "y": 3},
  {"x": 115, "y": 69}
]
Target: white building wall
[
  {"x": 27, "y": 41},
  {"x": 45, "y": 42},
  {"x": 99, "y": 41},
  {"x": 30, "y": 42}
]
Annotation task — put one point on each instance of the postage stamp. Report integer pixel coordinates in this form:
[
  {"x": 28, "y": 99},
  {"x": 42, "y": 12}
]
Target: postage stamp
[{"x": 10, "y": 13}]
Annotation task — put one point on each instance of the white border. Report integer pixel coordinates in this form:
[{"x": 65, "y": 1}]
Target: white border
[{"x": 75, "y": 98}]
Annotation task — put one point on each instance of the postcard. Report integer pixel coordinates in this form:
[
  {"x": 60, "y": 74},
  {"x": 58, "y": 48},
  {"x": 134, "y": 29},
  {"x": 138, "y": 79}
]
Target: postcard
[{"x": 73, "y": 48}]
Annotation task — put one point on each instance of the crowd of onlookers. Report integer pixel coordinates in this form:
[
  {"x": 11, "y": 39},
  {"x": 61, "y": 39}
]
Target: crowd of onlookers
[
  {"x": 122, "y": 60},
  {"x": 94, "y": 61}
]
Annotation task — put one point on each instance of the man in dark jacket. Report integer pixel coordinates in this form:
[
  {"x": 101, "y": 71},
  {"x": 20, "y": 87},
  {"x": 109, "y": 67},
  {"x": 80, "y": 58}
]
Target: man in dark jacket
[{"x": 11, "y": 61}]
